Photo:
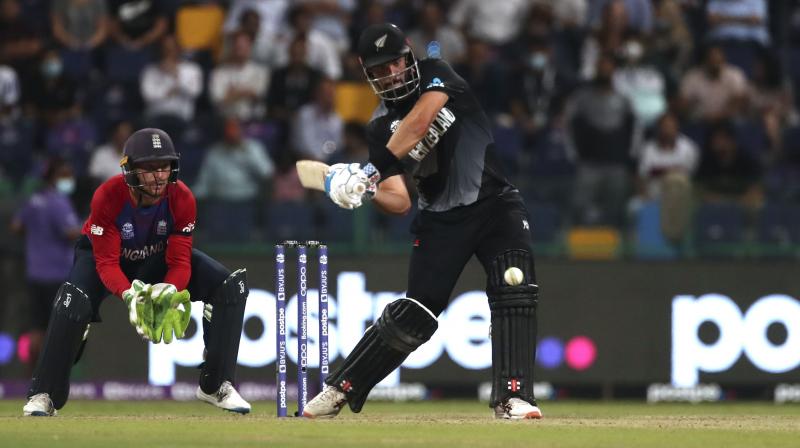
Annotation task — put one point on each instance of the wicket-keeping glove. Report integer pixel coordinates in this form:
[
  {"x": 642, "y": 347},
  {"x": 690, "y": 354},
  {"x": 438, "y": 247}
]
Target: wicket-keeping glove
[
  {"x": 140, "y": 308},
  {"x": 173, "y": 310}
]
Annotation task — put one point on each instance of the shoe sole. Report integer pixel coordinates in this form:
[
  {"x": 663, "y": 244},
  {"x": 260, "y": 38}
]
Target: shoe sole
[
  {"x": 37, "y": 414},
  {"x": 307, "y": 415},
  {"x": 529, "y": 416}
]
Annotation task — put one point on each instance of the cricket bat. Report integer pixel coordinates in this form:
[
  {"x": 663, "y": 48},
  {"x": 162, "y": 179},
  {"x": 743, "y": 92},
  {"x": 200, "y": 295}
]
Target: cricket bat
[{"x": 312, "y": 175}]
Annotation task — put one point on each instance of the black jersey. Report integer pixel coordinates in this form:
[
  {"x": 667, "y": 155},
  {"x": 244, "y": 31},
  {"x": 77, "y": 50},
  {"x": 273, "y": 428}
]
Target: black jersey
[{"x": 453, "y": 165}]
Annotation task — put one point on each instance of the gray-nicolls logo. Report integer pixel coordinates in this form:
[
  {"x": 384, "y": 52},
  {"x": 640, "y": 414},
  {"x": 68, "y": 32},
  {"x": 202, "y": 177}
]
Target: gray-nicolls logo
[
  {"x": 380, "y": 42},
  {"x": 525, "y": 224},
  {"x": 67, "y": 300},
  {"x": 241, "y": 287},
  {"x": 156, "y": 141}
]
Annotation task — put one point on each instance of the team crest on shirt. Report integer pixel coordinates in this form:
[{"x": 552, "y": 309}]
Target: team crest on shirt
[
  {"x": 127, "y": 231},
  {"x": 161, "y": 228}
]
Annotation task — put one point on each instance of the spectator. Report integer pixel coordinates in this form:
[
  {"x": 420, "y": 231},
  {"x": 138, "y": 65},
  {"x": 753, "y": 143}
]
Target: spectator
[
  {"x": 771, "y": 99},
  {"x": 286, "y": 186},
  {"x": 713, "y": 91},
  {"x": 608, "y": 37},
  {"x": 354, "y": 147},
  {"x": 432, "y": 27},
  {"x": 331, "y": 17},
  {"x": 136, "y": 25},
  {"x": 80, "y": 27},
  {"x": 271, "y": 15},
  {"x": 20, "y": 45},
  {"x": 55, "y": 94},
  {"x": 322, "y": 53},
  {"x": 16, "y": 132},
  {"x": 742, "y": 20},
  {"x": 640, "y": 82},
  {"x": 291, "y": 86},
  {"x": 317, "y": 131},
  {"x": 230, "y": 179},
  {"x": 669, "y": 152},
  {"x": 638, "y": 14},
  {"x": 264, "y": 51},
  {"x": 536, "y": 85},
  {"x": 739, "y": 27},
  {"x": 170, "y": 89},
  {"x": 670, "y": 43},
  {"x": 486, "y": 77},
  {"x": 602, "y": 132},
  {"x": 104, "y": 162},
  {"x": 237, "y": 87},
  {"x": 496, "y": 23},
  {"x": 50, "y": 226},
  {"x": 728, "y": 174}
]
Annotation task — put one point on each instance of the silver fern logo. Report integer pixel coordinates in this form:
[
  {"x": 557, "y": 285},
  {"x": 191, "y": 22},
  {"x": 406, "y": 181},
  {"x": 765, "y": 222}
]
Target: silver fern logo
[{"x": 380, "y": 42}]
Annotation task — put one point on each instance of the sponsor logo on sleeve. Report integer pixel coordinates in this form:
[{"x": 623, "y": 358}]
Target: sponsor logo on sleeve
[
  {"x": 96, "y": 230},
  {"x": 189, "y": 228},
  {"x": 435, "y": 82}
]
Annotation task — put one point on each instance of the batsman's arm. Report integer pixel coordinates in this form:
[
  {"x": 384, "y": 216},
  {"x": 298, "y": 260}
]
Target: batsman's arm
[
  {"x": 392, "y": 196},
  {"x": 411, "y": 130},
  {"x": 416, "y": 123}
]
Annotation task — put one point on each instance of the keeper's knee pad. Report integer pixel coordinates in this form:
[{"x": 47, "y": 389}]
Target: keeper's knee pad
[
  {"x": 404, "y": 325},
  {"x": 224, "y": 331},
  {"x": 513, "y": 314},
  {"x": 72, "y": 311}
]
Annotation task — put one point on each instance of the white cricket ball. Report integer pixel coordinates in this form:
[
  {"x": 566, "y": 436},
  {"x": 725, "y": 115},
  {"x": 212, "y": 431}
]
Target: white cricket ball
[{"x": 513, "y": 276}]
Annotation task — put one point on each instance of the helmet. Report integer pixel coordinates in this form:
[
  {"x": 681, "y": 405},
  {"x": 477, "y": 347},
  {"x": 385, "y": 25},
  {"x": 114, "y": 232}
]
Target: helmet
[
  {"x": 384, "y": 43},
  {"x": 148, "y": 145}
]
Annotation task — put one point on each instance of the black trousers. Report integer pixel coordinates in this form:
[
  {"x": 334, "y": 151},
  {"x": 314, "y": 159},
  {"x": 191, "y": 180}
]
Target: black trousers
[
  {"x": 445, "y": 242},
  {"x": 207, "y": 274}
]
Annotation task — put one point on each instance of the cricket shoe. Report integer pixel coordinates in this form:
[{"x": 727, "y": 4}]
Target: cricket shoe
[
  {"x": 326, "y": 404},
  {"x": 39, "y": 405},
  {"x": 226, "y": 398},
  {"x": 516, "y": 409}
]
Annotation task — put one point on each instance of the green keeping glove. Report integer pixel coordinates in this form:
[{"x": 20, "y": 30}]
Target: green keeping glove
[
  {"x": 141, "y": 313},
  {"x": 173, "y": 311}
]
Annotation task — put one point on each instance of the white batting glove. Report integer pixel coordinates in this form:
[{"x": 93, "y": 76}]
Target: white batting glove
[{"x": 345, "y": 185}]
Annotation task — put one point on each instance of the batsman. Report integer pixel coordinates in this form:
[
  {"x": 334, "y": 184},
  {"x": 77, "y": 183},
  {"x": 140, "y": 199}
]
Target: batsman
[
  {"x": 137, "y": 245},
  {"x": 431, "y": 126}
]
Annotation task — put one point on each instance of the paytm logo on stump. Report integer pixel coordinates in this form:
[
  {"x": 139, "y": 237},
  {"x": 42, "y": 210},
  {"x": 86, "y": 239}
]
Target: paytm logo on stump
[
  {"x": 463, "y": 331},
  {"x": 738, "y": 334}
]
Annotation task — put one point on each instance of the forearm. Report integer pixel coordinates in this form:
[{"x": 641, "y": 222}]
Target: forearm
[{"x": 391, "y": 202}]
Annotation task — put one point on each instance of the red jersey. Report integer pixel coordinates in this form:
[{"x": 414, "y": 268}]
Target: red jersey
[{"x": 121, "y": 232}]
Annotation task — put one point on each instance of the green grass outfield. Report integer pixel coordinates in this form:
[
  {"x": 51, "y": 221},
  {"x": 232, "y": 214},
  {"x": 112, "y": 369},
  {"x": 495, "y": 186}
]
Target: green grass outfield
[{"x": 447, "y": 424}]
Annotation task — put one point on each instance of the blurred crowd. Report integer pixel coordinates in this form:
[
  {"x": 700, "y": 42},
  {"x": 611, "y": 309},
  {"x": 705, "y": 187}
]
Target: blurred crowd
[{"x": 668, "y": 124}]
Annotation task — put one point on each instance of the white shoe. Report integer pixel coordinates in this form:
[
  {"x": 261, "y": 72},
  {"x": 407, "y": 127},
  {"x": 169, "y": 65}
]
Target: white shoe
[
  {"x": 226, "y": 398},
  {"x": 326, "y": 404},
  {"x": 517, "y": 409},
  {"x": 39, "y": 405}
]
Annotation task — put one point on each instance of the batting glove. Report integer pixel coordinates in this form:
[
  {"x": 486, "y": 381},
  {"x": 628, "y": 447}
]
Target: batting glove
[{"x": 345, "y": 185}]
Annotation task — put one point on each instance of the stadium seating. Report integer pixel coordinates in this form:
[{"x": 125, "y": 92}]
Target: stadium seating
[{"x": 719, "y": 229}]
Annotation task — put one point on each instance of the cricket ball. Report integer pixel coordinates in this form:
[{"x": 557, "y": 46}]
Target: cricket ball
[{"x": 513, "y": 276}]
